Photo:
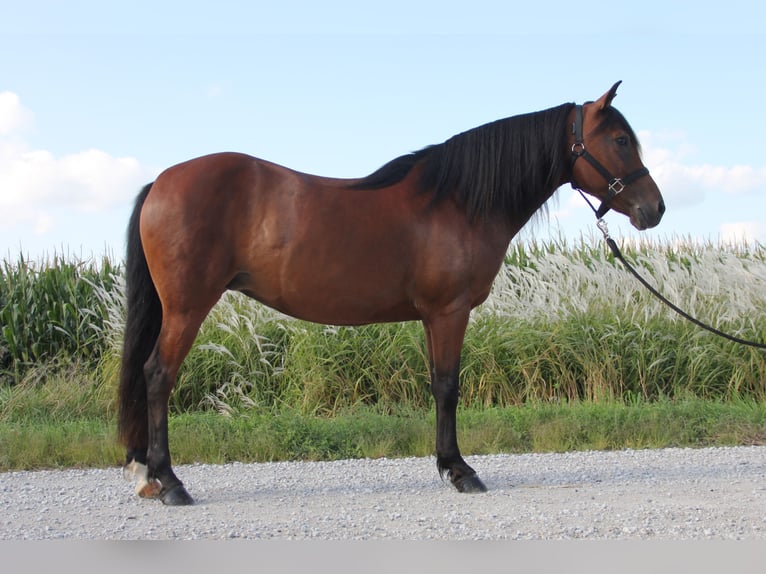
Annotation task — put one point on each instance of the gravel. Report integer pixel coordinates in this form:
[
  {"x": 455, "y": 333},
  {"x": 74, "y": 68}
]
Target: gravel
[{"x": 669, "y": 494}]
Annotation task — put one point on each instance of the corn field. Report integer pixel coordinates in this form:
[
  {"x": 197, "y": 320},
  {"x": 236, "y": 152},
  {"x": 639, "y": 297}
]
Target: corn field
[
  {"x": 53, "y": 309},
  {"x": 562, "y": 323}
]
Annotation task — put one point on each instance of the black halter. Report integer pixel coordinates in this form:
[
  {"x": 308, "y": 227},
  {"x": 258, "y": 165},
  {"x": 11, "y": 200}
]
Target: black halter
[{"x": 616, "y": 184}]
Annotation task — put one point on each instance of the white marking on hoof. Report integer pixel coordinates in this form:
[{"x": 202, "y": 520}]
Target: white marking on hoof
[{"x": 145, "y": 488}]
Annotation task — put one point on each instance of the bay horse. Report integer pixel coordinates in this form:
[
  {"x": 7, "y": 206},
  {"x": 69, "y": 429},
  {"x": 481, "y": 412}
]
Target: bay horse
[{"x": 422, "y": 238}]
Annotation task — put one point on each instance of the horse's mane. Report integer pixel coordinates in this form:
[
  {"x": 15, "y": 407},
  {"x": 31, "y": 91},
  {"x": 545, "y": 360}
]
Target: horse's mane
[{"x": 503, "y": 166}]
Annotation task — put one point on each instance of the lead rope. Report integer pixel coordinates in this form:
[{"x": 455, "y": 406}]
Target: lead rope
[{"x": 601, "y": 224}]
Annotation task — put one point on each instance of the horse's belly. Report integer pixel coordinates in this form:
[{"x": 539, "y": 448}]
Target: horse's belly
[{"x": 339, "y": 307}]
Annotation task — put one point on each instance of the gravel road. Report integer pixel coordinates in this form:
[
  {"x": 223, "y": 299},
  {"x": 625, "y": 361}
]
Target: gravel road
[{"x": 670, "y": 494}]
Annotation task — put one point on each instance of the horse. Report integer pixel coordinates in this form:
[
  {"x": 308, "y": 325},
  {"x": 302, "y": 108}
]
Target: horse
[{"x": 420, "y": 239}]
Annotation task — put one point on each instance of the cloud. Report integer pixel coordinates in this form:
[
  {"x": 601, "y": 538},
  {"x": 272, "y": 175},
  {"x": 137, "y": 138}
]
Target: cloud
[
  {"x": 35, "y": 184},
  {"x": 571, "y": 204},
  {"x": 687, "y": 184},
  {"x": 213, "y": 91},
  {"x": 739, "y": 231},
  {"x": 13, "y": 116},
  {"x": 683, "y": 184}
]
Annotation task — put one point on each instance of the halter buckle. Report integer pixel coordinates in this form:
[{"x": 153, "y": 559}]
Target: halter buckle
[{"x": 616, "y": 186}]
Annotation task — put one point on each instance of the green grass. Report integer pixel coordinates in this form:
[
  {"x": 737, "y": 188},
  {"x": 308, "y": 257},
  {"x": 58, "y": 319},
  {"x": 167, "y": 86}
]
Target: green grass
[
  {"x": 86, "y": 443},
  {"x": 36, "y": 441}
]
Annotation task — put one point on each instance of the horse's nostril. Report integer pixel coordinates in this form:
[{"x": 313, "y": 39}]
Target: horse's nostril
[{"x": 661, "y": 207}]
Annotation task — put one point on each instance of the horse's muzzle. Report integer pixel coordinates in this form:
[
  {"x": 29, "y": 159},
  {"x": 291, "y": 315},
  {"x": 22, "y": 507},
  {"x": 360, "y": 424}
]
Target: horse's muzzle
[{"x": 647, "y": 216}]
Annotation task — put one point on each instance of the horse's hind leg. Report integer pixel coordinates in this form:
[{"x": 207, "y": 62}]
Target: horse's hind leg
[
  {"x": 135, "y": 469},
  {"x": 176, "y": 338}
]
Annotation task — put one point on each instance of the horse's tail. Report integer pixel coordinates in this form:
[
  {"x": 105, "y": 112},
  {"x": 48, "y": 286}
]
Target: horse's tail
[{"x": 142, "y": 327}]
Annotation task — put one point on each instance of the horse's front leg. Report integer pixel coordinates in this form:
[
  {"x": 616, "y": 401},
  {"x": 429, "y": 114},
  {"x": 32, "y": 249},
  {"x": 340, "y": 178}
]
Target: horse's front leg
[{"x": 444, "y": 336}]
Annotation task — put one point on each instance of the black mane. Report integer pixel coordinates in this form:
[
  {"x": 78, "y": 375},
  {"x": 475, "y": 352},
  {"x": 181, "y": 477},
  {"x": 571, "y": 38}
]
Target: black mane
[{"x": 509, "y": 166}]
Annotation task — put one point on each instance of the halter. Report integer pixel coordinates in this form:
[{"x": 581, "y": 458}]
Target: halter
[{"x": 616, "y": 184}]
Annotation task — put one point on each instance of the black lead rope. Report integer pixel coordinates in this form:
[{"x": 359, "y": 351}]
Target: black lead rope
[{"x": 618, "y": 254}]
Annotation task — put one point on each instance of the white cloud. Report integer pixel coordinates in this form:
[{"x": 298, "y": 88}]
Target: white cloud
[
  {"x": 682, "y": 183},
  {"x": 572, "y": 204},
  {"x": 213, "y": 91},
  {"x": 34, "y": 183},
  {"x": 43, "y": 224},
  {"x": 666, "y": 156},
  {"x": 669, "y": 157},
  {"x": 13, "y": 116},
  {"x": 739, "y": 231}
]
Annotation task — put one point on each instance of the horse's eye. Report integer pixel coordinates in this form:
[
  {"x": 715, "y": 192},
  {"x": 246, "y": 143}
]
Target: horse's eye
[{"x": 621, "y": 140}]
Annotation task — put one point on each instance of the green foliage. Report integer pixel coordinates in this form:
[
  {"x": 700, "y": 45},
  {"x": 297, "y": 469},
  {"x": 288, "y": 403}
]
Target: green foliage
[
  {"x": 563, "y": 323},
  {"x": 52, "y": 309},
  {"x": 30, "y": 440}
]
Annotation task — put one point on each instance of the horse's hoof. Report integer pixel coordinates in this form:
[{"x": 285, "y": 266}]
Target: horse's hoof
[
  {"x": 176, "y": 496},
  {"x": 470, "y": 484}
]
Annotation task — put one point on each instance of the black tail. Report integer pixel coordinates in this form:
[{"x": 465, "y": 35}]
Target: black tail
[{"x": 142, "y": 327}]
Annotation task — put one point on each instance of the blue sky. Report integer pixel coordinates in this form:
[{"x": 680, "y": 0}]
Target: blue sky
[{"x": 96, "y": 98}]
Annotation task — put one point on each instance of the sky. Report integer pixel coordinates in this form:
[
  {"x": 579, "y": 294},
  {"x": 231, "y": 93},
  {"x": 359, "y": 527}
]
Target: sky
[{"x": 97, "y": 98}]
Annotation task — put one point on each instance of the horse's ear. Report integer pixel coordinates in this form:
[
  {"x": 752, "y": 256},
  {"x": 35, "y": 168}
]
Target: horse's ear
[{"x": 606, "y": 100}]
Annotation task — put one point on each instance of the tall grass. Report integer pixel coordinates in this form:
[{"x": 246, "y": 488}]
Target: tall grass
[
  {"x": 51, "y": 309},
  {"x": 563, "y": 323},
  {"x": 576, "y": 325}
]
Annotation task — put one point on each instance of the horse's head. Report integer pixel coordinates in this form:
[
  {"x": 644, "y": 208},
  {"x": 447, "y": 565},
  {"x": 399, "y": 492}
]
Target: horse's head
[{"x": 609, "y": 166}]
